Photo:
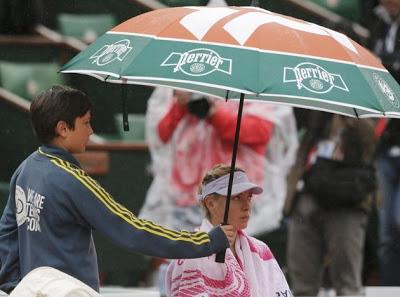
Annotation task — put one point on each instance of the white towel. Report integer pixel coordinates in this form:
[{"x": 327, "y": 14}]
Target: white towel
[
  {"x": 50, "y": 282},
  {"x": 254, "y": 273}
]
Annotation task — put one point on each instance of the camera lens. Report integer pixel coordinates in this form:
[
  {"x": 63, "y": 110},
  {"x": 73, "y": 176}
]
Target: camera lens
[{"x": 199, "y": 107}]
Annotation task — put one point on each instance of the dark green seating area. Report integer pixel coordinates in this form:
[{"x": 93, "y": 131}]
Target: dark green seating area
[
  {"x": 28, "y": 79},
  {"x": 107, "y": 101},
  {"x": 16, "y": 137},
  {"x": 85, "y": 26},
  {"x": 136, "y": 131},
  {"x": 120, "y": 10},
  {"x": 174, "y": 3},
  {"x": 350, "y": 9},
  {"x": 30, "y": 49},
  {"x": 128, "y": 181}
]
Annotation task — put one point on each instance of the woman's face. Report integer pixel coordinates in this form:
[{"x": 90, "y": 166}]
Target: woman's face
[{"x": 239, "y": 209}]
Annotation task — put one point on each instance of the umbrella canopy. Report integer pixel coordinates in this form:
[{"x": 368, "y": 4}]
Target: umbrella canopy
[
  {"x": 225, "y": 51},
  {"x": 237, "y": 52}
]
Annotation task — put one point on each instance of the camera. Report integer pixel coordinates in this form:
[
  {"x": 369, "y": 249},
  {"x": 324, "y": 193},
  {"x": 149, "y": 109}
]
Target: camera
[{"x": 199, "y": 107}]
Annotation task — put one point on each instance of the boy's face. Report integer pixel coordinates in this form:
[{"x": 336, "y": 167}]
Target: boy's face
[{"x": 76, "y": 139}]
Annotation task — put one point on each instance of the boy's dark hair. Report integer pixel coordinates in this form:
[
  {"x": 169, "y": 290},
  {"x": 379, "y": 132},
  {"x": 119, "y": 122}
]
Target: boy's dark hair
[{"x": 59, "y": 103}]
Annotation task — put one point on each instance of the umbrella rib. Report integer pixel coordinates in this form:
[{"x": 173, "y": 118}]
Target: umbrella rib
[
  {"x": 226, "y": 95},
  {"x": 355, "y": 111}
]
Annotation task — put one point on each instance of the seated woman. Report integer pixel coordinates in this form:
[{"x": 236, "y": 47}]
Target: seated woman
[{"x": 250, "y": 269}]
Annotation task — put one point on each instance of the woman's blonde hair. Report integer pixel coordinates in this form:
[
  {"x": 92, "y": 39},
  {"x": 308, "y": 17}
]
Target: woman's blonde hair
[{"x": 214, "y": 173}]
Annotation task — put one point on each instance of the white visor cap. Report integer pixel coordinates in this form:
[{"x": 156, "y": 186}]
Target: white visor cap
[{"x": 219, "y": 186}]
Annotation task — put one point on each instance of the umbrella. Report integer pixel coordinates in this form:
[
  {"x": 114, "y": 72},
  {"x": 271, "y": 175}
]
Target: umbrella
[{"x": 237, "y": 52}]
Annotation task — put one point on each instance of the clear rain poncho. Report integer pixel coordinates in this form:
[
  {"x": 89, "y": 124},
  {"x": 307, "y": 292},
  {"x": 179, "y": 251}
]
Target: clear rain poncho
[{"x": 195, "y": 147}]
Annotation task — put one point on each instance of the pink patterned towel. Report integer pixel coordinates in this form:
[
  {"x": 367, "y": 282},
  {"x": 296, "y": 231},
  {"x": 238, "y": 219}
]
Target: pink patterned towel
[{"x": 254, "y": 272}]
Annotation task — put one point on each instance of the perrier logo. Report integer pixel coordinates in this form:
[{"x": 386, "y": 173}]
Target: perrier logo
[
  {"x": 198, "y": 62},
  {"x": 111, "y": 52},
  {"x": 313, "y": 78}
]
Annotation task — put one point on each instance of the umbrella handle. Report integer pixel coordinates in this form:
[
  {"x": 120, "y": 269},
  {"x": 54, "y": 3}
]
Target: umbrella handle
[{"x": 220, "y": 257}]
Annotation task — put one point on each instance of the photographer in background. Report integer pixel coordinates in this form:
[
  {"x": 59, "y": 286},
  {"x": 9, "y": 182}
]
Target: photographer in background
[
  {"x": 385, "y": 43},
  {"x": 195, "y": 133},
  {"x": 328, "y": 222},
  {"x": 385, "y": 35}
]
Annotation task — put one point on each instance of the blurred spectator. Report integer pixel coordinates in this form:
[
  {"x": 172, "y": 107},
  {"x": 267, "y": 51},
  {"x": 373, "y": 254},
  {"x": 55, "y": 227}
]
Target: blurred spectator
[
  {"x": 329, "y": 218},
  {"x": 19, "y": 16},
  {"x": 385, "y": 35},
  {"x": 367, "y": 12},
  {"x": 388, "y": 164},
  {"x": 385, "y": 42}
]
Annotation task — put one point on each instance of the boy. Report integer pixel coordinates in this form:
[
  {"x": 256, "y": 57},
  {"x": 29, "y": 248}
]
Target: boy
[{"x": 54, "y": 205}]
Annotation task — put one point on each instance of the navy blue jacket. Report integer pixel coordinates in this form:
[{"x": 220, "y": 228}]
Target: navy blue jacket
[{"x": 52, "y": 210}]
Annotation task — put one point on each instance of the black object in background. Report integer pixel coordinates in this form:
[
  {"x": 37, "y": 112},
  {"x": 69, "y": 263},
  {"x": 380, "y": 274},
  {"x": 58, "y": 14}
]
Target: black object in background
[
  {"x": 20, "y": 16},
  {"x": 199, "y": 107}
]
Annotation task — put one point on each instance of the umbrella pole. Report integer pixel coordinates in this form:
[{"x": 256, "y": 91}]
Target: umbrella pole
[{"x": 220, "y": 257}]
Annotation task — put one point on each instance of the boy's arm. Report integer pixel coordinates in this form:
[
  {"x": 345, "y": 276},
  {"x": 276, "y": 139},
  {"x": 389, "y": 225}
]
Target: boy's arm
[{"x": 109, "y": 217}]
